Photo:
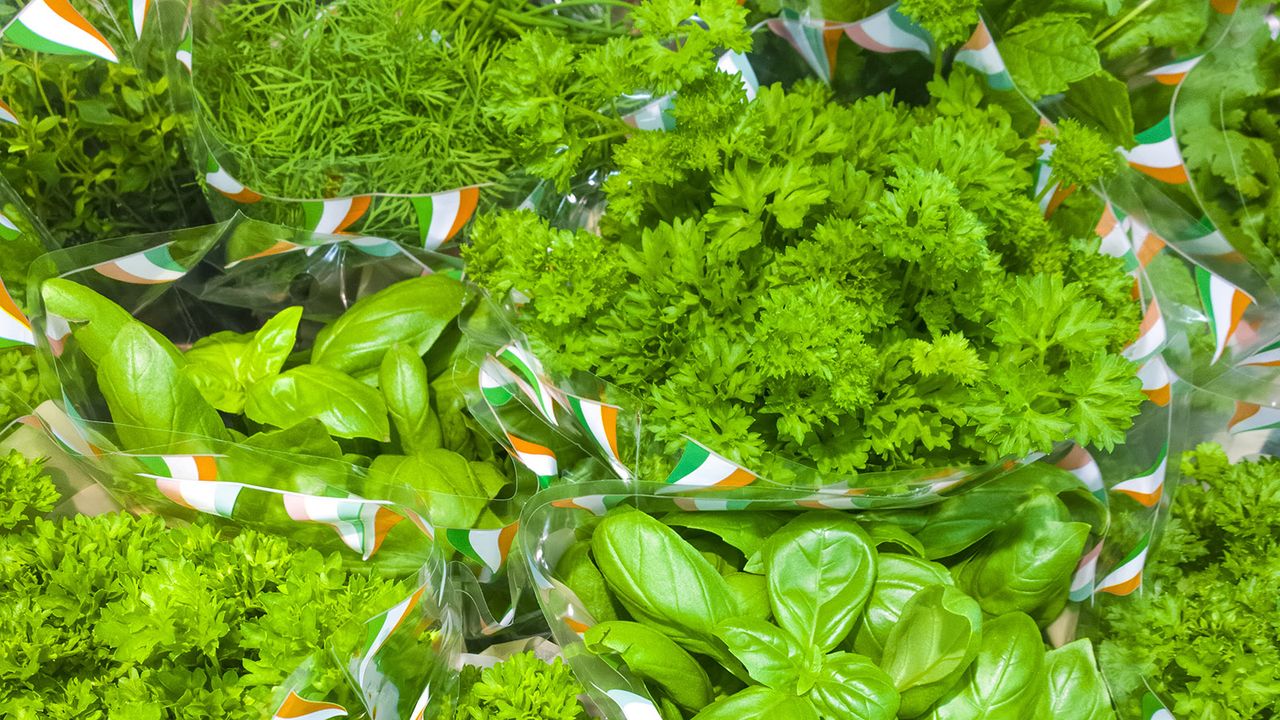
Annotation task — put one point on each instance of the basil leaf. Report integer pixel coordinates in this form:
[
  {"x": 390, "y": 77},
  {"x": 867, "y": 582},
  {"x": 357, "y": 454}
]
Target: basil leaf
[
  {"x": 1006, "y": 680},
  {"x": 266, "y": 354},
  {"x": 851, "y": 686},
  {"x": 820, "y": 568},
  {"x": 768, "y": 653},
  {"x": 152, "y": 405},
  {"x": 95, "y": 321},
  {"x": 745, "y": 531},
  {"x": 654, "y": 657},
  {"x": 1025, "y": 567},
  {"x": 751, "y": 593},
  {"x": 662, "y": 580},
  {"x": 347, "y": 407},
  {"x": 898, "y": 579},
  {"x": 882, "y": 534},
  {"x": 931, "y": 646},
  {"x": 308, "y": 437},
  {"x": 404, "y": 384},
  {"x": 213, "y": 365},
  {"x": 453, "y": 490},
  {"x": 578, "y": 571},
  {"x": 1076, "y": 688},
  {"x": 413, "y": 312},
  {"x": 759, "y": 703}
]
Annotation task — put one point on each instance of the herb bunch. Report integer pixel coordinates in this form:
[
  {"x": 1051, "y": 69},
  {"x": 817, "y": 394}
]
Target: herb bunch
[
  {"x": 863, "y": 287},
  {"x": 365, "y": 95},
  {"x": 100, "y": 151},
  {"x": 122, "y": 616},
  {"x": 1203, "y": 632},
  {"x": 932, "y": 613},
  {"x": 521, "y": 687},
  {"x": 362, "y": 393}
]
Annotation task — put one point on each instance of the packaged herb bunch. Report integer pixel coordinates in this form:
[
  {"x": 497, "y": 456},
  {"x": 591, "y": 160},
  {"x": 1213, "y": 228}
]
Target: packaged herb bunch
[{"x": 382, "y": 107}]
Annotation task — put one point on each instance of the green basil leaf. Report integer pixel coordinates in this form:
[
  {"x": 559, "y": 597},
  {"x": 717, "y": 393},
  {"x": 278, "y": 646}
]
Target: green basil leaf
[
  {"x": 95, "y": 321},
  {"x": 851, "y": 686},
  {"x": 1076, "y": 688},
  {"x": 898, "y": 579},
  {"x": 820, "y": 568},
  {"x": 404, "y": 384},
  {"x": 1006, "y": 680},
  {"x": 346, "y": 406},
  {"x": 768, "y": 653},
  {"x": 152, "y": 405},
  {"x": 413, "y": 312},
  {"x": 655, "y": 658},
  {"x": 454, "y": 490},
  {"x": 745, "y": 531},
  {"x": 882, "y": 534},
  {"x": 213, "y": 365},
  {"x": 932, "y": 645},
  {"x": 270, "y": 347},
  {"x": 308, "y": 437},
  {"x": 759, "y": 703},
  {"x": 662, "y": 580},
  {"x": 1025, "y": 567},
  {"x": 578, "y": 571},
  {"x": 751, "y": 593}
]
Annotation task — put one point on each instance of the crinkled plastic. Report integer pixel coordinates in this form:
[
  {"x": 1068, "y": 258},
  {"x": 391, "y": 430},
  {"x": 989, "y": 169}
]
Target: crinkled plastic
[{"x": 191, "y": 283}]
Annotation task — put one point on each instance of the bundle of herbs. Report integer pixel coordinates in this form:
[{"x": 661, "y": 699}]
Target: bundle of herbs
[
  {"x": 361, "y": 394},
  {"x": 928, "y": 613},
  {"x": 98, "y": 150},
  {"x": 127, "y": 617},
  {"x": 364, "y": 96},
  {"x": 1203, "y": 633},
  {"x": 865, "y": 287}
]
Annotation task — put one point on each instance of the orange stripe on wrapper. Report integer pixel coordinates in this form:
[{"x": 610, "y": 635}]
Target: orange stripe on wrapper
[
  {"x": 467, "y": 199},
  {"x": 1244, "y": 411},
  {"x": 68, "y": 13},
  {"x": 1176, "y": 175}
]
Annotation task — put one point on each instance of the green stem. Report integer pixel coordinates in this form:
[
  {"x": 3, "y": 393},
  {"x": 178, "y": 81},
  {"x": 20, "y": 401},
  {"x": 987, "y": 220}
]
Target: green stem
[
  {"x": 1045, "y": 190},
  {"x": 1119, "y": 24}
]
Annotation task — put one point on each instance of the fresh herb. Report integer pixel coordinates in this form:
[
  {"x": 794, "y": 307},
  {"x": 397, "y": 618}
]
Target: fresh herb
[
  {"x": 1227, "y": 131},
  {"x": 1203, "y": 632},
  {"x": 949, "y": 22},
  {"x": 365, "y": 95},
  {"x": 20, "y": 389},
  {"x": 25, "y": 491},
  {"x": 361, "y": 393},
  {"x": 848, "y": 625},
  {"x": 868, "y": 287},
  {"x": 126, "y": 617},
  {"x": 1080, "y": 156},
  {"x": 99, "y": 152},
  {"x": 521, "y": 687}
]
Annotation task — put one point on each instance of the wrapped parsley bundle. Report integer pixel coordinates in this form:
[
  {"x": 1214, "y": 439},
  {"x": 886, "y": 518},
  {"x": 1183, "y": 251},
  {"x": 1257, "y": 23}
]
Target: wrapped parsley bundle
[{"x": 862, "y": 288}]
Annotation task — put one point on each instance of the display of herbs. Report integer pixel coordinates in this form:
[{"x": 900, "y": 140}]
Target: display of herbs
[
  {"x": 521, "y": 687},
  {"x": 121, "y": 616},
  {"x": 361, "y": 393},
  {"x": 1204, "y": 634},
  {"x": 925, "y": 613},
  {"x": 368, "y": 95},
  {"x": 99, "y": 149},
  {"x": 862, "y": 287}
]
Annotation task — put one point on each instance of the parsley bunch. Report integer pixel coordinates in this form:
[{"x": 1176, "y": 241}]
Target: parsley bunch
[
  {"x": 864, "y": 287},
  {"x": 520, "y": 687},
  {"x": 99, "y": 152},
  {"x": 120, "y": 616},
  {"x": 365, "y": 95},
  {"x": 1204, "y": 631}
]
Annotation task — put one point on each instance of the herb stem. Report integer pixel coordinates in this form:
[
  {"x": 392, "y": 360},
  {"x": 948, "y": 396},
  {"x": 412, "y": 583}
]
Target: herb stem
[{"x": 1119, "y": 24}]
